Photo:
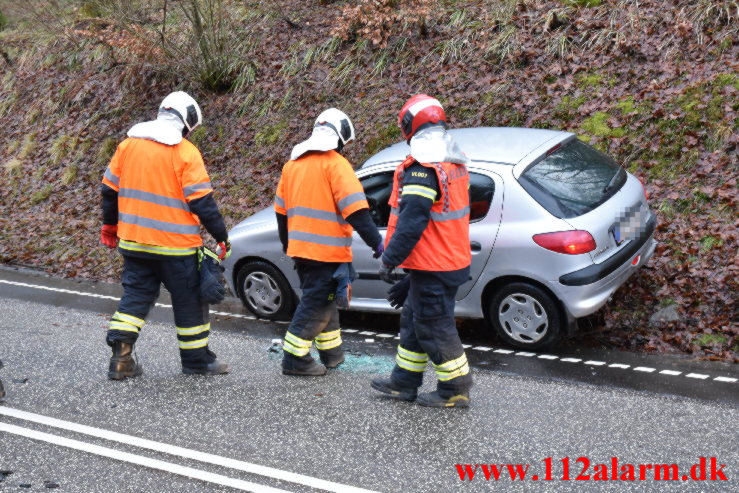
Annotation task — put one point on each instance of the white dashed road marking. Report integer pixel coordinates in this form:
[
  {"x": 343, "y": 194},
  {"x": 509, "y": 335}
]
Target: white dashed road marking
[
  {"x": 643, "y": 369},
  {"x": 725, "y": 379},
  {"x": 182, "y": 452},
  {"x": 699, "y": 376}
]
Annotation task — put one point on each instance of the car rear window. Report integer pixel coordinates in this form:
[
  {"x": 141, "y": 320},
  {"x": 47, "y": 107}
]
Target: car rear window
[{"x": 573, "y": 180}]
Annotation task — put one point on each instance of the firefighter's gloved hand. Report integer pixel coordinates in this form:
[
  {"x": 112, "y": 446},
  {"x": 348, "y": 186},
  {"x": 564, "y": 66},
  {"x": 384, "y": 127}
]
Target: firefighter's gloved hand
[
  {"x": 109, "y": 235},
  {"x": 399, "y": 292},
  {"x": 386, "y": 273},
  {"x": 223, "y": 250},
  {"x": 379, "y": 250}
]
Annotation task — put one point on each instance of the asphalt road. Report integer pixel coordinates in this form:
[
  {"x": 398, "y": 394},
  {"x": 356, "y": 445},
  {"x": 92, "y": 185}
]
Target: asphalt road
[{"x": 64, "y": 424}]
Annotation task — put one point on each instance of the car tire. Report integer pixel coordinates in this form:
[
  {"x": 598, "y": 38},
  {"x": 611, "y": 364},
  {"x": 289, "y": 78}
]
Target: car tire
[
  {"x": 264, "y": 291},
  {"x": 524, "y": 316}
]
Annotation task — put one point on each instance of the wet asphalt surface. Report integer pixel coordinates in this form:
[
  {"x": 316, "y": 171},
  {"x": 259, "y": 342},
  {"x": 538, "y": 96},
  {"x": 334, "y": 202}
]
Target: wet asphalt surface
[{"x": 525, "y": 408}]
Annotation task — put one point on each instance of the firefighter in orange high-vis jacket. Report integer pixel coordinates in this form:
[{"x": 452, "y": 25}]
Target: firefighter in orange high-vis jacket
[
  {"x": 155, "y": 195},
  {"x": 318, "y": 201},
  {"x": 428, "y": 235}
]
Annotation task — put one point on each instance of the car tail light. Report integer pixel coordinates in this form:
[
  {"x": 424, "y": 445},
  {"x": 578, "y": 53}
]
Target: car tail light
[
  {"x": 569, "y": 242},
  {"x": 636, "y": 260}
]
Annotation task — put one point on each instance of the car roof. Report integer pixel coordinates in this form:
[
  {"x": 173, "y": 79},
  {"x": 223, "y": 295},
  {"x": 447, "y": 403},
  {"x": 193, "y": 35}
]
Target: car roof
[{"x": 501, "y": 145}]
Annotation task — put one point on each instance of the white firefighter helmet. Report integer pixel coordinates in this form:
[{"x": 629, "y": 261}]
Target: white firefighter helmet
[
  {"x": 332, "y": 131},
  {"x": 185, "y": 108},
  {"x": 339, "y": 123}
]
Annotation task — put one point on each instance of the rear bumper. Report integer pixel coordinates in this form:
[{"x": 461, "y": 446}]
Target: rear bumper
[
  {"x": 583, "y": 300},
  {"x": 596, "y": 272}
]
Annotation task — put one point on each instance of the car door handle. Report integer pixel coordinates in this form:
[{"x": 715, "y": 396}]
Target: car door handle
[{"x": 475, "y": 246}]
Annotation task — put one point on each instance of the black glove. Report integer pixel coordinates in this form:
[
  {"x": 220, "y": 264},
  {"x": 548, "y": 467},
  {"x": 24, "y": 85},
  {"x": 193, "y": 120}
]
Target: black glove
[
  {"x": 379, "y": 250},
  {"x": 399, "y": 292},
  {"x": 386, "y": 273}
]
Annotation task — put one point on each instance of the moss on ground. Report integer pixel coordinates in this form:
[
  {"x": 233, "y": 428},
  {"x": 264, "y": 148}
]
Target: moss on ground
[
  {"x": 597, "y": 125},
  {"x": 41, "y": 195},
  {"x": 270, "y": 134}
]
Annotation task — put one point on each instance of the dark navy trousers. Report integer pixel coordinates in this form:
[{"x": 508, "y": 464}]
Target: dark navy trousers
[
  {"x": 141, "y": 280},
  {"x": 316, "y": 319},
  {"x": 428, "y": 332}
]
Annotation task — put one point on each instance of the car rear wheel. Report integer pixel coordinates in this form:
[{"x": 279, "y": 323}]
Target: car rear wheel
[
  {"x": 524, "y": 316},
  {"x": 265, "y": 291}
]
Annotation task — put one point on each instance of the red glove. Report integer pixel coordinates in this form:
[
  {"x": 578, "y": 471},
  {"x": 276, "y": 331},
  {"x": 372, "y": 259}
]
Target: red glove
[
  {"x": 109, "y": 235},
  {"x": 223, "y": 250}
]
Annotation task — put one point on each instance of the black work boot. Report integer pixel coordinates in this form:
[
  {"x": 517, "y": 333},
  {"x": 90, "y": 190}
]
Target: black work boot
[
  {"x": 387, "y": 387},
  {"x": 122, "y": 363},
  {"x": 304, "y": 366},
  {"x": 331, "y": 359},
  {"x": 433, "y": 399},
  {"x": 214, "y": 368}
]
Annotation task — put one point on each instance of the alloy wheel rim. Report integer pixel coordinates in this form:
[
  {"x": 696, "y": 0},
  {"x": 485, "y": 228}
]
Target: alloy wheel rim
[{"x": 523, "y": 318}]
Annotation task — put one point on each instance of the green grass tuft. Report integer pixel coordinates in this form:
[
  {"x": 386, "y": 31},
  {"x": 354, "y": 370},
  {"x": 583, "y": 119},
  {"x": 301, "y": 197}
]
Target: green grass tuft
[
  {"x": 70, "y": 174},
  {"x": 42, "y": 194},
  {"x": 61, "y": 148},
  {"x": 710, "y": 339},
  {"x": 106, "y": 150}
]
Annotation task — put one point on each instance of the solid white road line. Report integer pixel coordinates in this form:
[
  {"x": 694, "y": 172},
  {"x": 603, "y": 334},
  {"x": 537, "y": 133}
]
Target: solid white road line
[
  {"x": 217, "y": 460},
  {"x": 139, "y": 460}
]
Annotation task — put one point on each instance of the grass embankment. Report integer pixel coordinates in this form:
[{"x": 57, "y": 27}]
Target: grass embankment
[{"x": 653, "y": 83}]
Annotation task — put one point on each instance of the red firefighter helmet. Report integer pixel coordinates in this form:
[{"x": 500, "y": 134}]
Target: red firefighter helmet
[{"x": 418, "y": 111}]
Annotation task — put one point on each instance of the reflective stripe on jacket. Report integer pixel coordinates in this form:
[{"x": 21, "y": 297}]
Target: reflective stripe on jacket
[
  {"x": 445, "y": 243},
  {"x": 155, "y": 183},
  {"x": 317, "y": 192}
]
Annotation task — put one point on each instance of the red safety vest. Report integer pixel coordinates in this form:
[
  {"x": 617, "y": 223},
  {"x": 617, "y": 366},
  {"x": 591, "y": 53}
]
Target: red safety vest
[{"x": 445, "y": 243}]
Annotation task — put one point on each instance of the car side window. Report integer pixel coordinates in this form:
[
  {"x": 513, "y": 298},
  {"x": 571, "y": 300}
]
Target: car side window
[
  {"x": 482, "y": 189},
  {"x": 378, "y": 188}
]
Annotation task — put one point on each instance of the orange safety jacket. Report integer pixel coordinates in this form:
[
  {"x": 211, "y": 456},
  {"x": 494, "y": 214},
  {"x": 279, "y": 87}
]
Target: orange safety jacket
[
  {"x": 317, "y": 192},
  {"x": 155, "y": 182},
  {"x": 445, "y": 243}
]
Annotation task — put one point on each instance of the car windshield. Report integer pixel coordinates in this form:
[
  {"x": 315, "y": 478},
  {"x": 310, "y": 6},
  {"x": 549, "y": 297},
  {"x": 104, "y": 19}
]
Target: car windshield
[{"x": 573, "y": 180}]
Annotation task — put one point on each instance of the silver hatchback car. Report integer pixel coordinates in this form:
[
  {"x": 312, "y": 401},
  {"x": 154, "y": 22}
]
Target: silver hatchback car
[{"x": 555, "y": 228}]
